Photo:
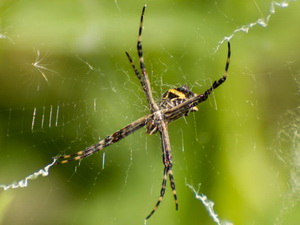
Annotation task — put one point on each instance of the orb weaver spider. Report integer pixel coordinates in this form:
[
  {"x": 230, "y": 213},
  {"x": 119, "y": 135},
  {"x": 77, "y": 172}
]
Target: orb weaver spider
[{"x": 174, "y": 104}]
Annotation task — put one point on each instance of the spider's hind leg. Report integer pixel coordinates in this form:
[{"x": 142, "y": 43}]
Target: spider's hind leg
[{"x": 162, "y": 193}]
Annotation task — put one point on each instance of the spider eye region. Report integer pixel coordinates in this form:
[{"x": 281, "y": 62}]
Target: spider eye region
[{"x": 176, "y": 96}]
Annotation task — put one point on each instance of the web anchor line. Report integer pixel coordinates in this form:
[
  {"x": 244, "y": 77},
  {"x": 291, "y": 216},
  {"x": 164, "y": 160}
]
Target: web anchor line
[{"x": 24, "y": 183}]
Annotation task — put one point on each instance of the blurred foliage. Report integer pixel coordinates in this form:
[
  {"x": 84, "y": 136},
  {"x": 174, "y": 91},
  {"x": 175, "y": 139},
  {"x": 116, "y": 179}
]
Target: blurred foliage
[{"x": 66, "y": 83}]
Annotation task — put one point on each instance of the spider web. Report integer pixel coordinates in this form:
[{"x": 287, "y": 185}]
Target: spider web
[{"x": 66, "y": 84}]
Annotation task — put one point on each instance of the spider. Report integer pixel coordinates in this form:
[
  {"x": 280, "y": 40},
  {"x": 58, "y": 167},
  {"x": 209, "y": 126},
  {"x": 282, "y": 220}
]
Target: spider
[{"x": 174, "y": 104}]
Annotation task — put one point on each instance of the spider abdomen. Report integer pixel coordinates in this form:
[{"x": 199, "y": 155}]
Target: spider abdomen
[{"x": 176, "y": 96}]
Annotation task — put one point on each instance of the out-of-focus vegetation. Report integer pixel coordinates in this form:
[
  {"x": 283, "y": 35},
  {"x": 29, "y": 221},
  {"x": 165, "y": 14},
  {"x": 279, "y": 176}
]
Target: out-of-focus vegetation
[{"x": 66, "y": 82}]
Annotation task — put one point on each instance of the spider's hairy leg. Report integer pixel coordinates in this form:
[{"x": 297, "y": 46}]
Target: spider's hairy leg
[
  {"x": 167, "y": 171},
  {"x": 172, "y": 184},
  {"x": 180, "y": 110},
  {"x": 139, "y": 42},
  {"x": 217, "y": 83},
  {"x": 228, "y": 59},
  {"x": 162, "y": 193},
  {"x": 137, "y": 73},
  {"x": 167, "y": 161},
  {"x": 109, "y": 140},
  {"x": 144, "y": 78}
]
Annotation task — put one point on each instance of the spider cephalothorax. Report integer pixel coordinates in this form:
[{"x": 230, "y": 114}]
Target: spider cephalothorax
[{"x": 171, "y": 98}]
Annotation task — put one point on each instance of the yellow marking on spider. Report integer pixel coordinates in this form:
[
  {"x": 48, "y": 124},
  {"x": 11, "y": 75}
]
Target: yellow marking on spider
[
  {"x": 77, "y": 157},
  {"x": 80, "y": 153},
  {"x": 195, "y": 108},
  {"x": 178, "y": 93},
  {"x": 69, "y": 156},
  {"x": 174, "y": 192}
]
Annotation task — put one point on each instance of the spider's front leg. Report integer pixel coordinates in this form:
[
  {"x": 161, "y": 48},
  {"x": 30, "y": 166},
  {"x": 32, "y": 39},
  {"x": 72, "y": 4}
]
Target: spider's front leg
[{"x": 143, "y": 76}]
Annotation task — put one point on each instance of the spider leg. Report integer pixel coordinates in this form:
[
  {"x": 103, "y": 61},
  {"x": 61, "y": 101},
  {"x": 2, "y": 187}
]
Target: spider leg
[
  {"x": 217, "y": 83},
  {"x": 162, "y": 193},
  {"x": 139, "y": 43},
  {"x": 180, "y": 110},
  {"x": 227, "y": 60},
  {"x": 109, "y": 140},
  {"x": 167, "y": 161},
  {"x": 143, "y": 78},
  {"x": 137, "y": 73},
  {"x": 172, "y": 184}
]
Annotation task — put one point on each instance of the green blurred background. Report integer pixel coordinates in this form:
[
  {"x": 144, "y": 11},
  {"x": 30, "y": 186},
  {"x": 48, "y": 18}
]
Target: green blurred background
[{"x": 66, "y": 83}]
